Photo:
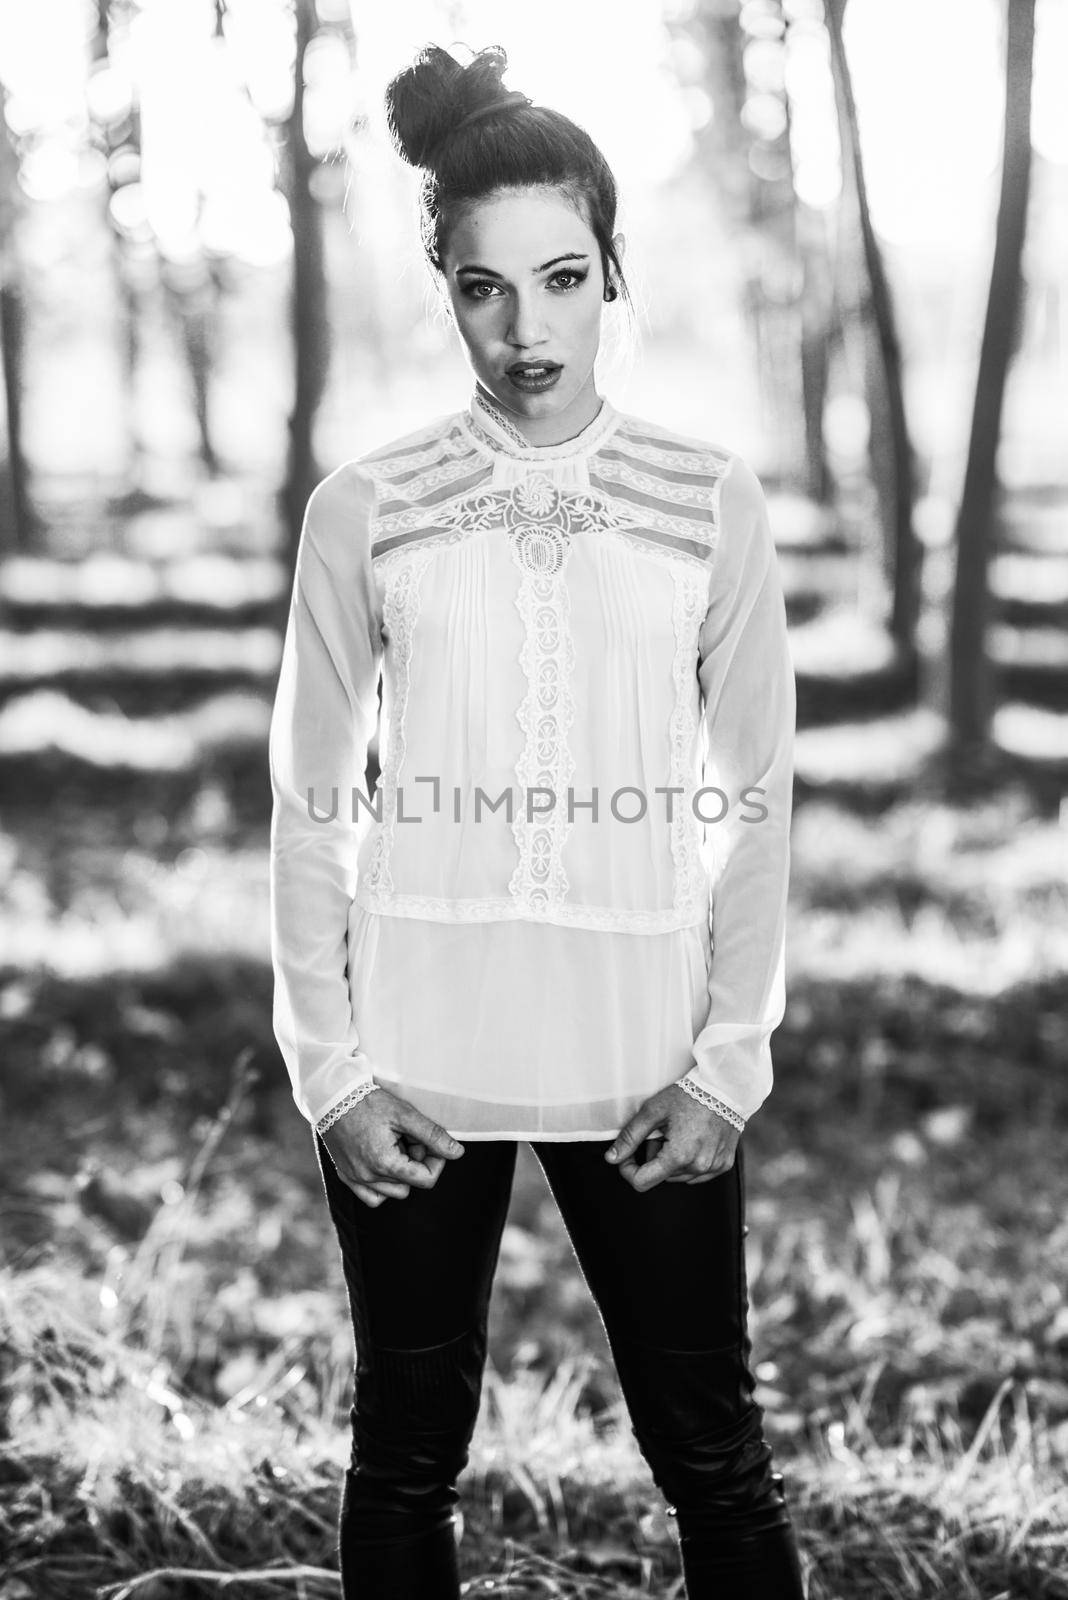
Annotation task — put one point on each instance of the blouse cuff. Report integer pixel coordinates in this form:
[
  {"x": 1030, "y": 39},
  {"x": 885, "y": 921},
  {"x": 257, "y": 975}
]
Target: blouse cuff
[
  {"x": 694, "y": 1089},
  {"x": 353, "y": 1098}
]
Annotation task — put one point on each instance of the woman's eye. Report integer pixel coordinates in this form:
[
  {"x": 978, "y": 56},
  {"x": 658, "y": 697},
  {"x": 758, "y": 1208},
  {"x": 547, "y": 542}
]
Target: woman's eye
[{"x": 562, "y": 282}]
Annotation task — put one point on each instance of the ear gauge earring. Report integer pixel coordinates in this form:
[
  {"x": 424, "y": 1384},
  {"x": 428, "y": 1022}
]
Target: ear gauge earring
[{"x": 611, "y": 292}]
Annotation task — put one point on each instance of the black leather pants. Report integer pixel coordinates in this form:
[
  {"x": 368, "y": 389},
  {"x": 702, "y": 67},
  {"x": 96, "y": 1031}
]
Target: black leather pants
[{"x": 667, "y": 1272}]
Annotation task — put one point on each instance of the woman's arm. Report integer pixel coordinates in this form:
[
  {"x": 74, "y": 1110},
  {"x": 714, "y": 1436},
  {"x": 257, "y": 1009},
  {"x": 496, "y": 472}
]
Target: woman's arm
[
  {"x": 749, "y": 708},
  {"x": 324, "y": 716}
]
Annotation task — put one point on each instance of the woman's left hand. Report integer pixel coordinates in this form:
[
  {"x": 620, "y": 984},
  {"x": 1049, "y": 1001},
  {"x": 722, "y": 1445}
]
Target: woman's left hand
[{"x": 697, "y": 1144}]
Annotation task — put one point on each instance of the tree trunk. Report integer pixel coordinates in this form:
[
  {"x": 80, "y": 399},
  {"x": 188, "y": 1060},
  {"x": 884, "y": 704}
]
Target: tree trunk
[
  {"x": 191, "y": 295},
  {"x": 905, "y": 551},
  {"x": 970, "y": 688},
  {"x": 754, "y": 184},
  {"x": 818, "y": 333},
  {"x": 17, "y": 521},
  {"x": 308, "y": 302}
]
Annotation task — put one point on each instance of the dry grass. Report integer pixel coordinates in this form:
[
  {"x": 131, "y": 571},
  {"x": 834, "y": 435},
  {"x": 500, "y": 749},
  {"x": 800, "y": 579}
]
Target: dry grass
[
  {"x": 117, "y": 1480},
  {"x": 175, "y": 1353},
  {"x": 113, "y": 1484}
]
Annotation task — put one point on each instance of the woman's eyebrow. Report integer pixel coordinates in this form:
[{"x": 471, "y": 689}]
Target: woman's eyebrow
[{"x": 488, "y": 272}]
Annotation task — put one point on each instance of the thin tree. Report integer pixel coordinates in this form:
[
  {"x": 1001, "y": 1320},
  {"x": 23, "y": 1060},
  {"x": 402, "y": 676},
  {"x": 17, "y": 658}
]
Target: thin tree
[
  {"x": 15, "y": 509},
  {"x": 970, "y": 672},
  {"x": 308, "y": 315},
  {"x": 753, "y": 175},
  {"x": 904, "y": 549}
]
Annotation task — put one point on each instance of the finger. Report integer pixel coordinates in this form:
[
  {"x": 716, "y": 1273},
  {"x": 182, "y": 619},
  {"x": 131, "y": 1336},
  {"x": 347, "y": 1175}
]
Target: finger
[
  {"x": 402, "y": 1171},
  {"x": 632, "y": 1171},
  {"x": 694, "y": 1171},
  {"x": 416, "y": 1126},
  {"x": 389, "y": 1186},
  {"x": 418, "y": 1152},
  {"x": 720, "y": 1167},
  {"x": 367, "y": 1195},
  {"x": 655, "y": 1171},
  {"x": 629, "y": 1138}
]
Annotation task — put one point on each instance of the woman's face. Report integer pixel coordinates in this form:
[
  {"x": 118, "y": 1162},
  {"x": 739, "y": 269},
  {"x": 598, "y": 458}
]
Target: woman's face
[{"x": 524, "y": 277}]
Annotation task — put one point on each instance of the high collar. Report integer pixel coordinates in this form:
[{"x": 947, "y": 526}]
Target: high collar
[{"x": 492, "y": 428}]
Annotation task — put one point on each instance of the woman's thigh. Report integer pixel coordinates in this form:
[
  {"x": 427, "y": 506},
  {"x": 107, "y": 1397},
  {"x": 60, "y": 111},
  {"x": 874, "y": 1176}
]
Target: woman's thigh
[
  {"x": 419, "y": 1270},
  {"x": 666, "y": 1267}
]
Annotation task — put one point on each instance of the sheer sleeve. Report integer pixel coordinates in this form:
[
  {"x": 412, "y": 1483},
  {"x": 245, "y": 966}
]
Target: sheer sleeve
[
  {"x": 748, "y": 698},
  {"x": 324, "y": 717}
]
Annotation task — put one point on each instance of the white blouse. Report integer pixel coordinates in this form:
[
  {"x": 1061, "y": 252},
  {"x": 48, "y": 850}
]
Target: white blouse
[{"x": 568, "y": 888}]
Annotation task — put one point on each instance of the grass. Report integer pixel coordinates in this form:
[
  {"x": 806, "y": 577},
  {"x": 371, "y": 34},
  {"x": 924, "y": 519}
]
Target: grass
[
  {"x": 175, "y": 1352},
  {"x": 116, "y": 1479}
]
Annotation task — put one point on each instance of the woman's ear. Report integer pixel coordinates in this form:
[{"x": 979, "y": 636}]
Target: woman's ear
[{"x": 611, "y": 288}]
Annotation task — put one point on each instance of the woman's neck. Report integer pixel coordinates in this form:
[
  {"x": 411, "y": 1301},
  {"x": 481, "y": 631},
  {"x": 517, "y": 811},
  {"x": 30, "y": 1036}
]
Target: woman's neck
[{"x": 557, "y": 428}]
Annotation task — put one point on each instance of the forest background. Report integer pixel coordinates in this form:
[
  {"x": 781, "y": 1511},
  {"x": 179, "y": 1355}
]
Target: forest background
[{"x": 848, "y": 235}]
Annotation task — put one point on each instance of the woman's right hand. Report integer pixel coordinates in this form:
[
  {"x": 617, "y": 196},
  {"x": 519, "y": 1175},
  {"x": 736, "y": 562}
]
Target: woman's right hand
[{"x": 384, "y": 1146}]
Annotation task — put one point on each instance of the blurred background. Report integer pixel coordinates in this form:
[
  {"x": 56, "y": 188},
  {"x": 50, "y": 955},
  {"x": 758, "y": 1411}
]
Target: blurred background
[{"x": 847, "y": 233}]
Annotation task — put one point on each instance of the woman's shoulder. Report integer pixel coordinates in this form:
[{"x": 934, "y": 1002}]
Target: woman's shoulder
[
  {"x": 355, "y": 483},
  {"x": 647, "y": 438},
  {"x": 443, "y": 435},
  {"x": 689, "y": 458},
  {"x": 344, "y": 504}
]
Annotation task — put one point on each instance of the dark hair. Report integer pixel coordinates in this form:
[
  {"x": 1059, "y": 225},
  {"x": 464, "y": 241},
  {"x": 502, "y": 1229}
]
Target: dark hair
[{"x": 472, "y": 137}]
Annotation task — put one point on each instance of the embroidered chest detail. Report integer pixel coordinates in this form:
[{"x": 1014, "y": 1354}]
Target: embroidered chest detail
[
  {"x": 541, "y": 519},
  {"x": 539, "y": 516}
]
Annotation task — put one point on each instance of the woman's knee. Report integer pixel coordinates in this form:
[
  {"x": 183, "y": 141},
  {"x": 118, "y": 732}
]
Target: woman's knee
[
  {"x": 719, "y": 1480},
  {"x": 414, "y": 1413},
  {"x": 701, "y": 1432}
]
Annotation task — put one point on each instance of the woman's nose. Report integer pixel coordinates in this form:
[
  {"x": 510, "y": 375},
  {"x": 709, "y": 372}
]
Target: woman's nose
[{"x": 528, "y": 323}]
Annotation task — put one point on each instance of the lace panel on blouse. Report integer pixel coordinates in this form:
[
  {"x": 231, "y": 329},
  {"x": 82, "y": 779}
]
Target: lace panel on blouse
[{"x": 541, "y": 519}]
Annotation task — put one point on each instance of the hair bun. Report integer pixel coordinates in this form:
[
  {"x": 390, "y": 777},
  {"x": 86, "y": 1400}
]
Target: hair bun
[{"x": 427, "y": 102}]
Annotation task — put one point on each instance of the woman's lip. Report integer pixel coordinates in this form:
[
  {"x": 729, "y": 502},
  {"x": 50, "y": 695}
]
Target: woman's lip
[
  {"x": 531, "y": 380},
  {"x": 522, "y": 367}
]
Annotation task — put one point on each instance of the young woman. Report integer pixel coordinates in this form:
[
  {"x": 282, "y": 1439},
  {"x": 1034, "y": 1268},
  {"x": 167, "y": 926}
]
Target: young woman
[{"x": 560, "y": 917}]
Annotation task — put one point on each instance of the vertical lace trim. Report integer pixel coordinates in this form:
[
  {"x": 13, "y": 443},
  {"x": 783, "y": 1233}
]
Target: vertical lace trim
[
  {"x": 539, "y": 533},
  {"x": 696, "y": 1092},
  {"x": 400, "y": 613},
  {"x": 353, "y": 1098},
  {"x": 688, "y": 612}
]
